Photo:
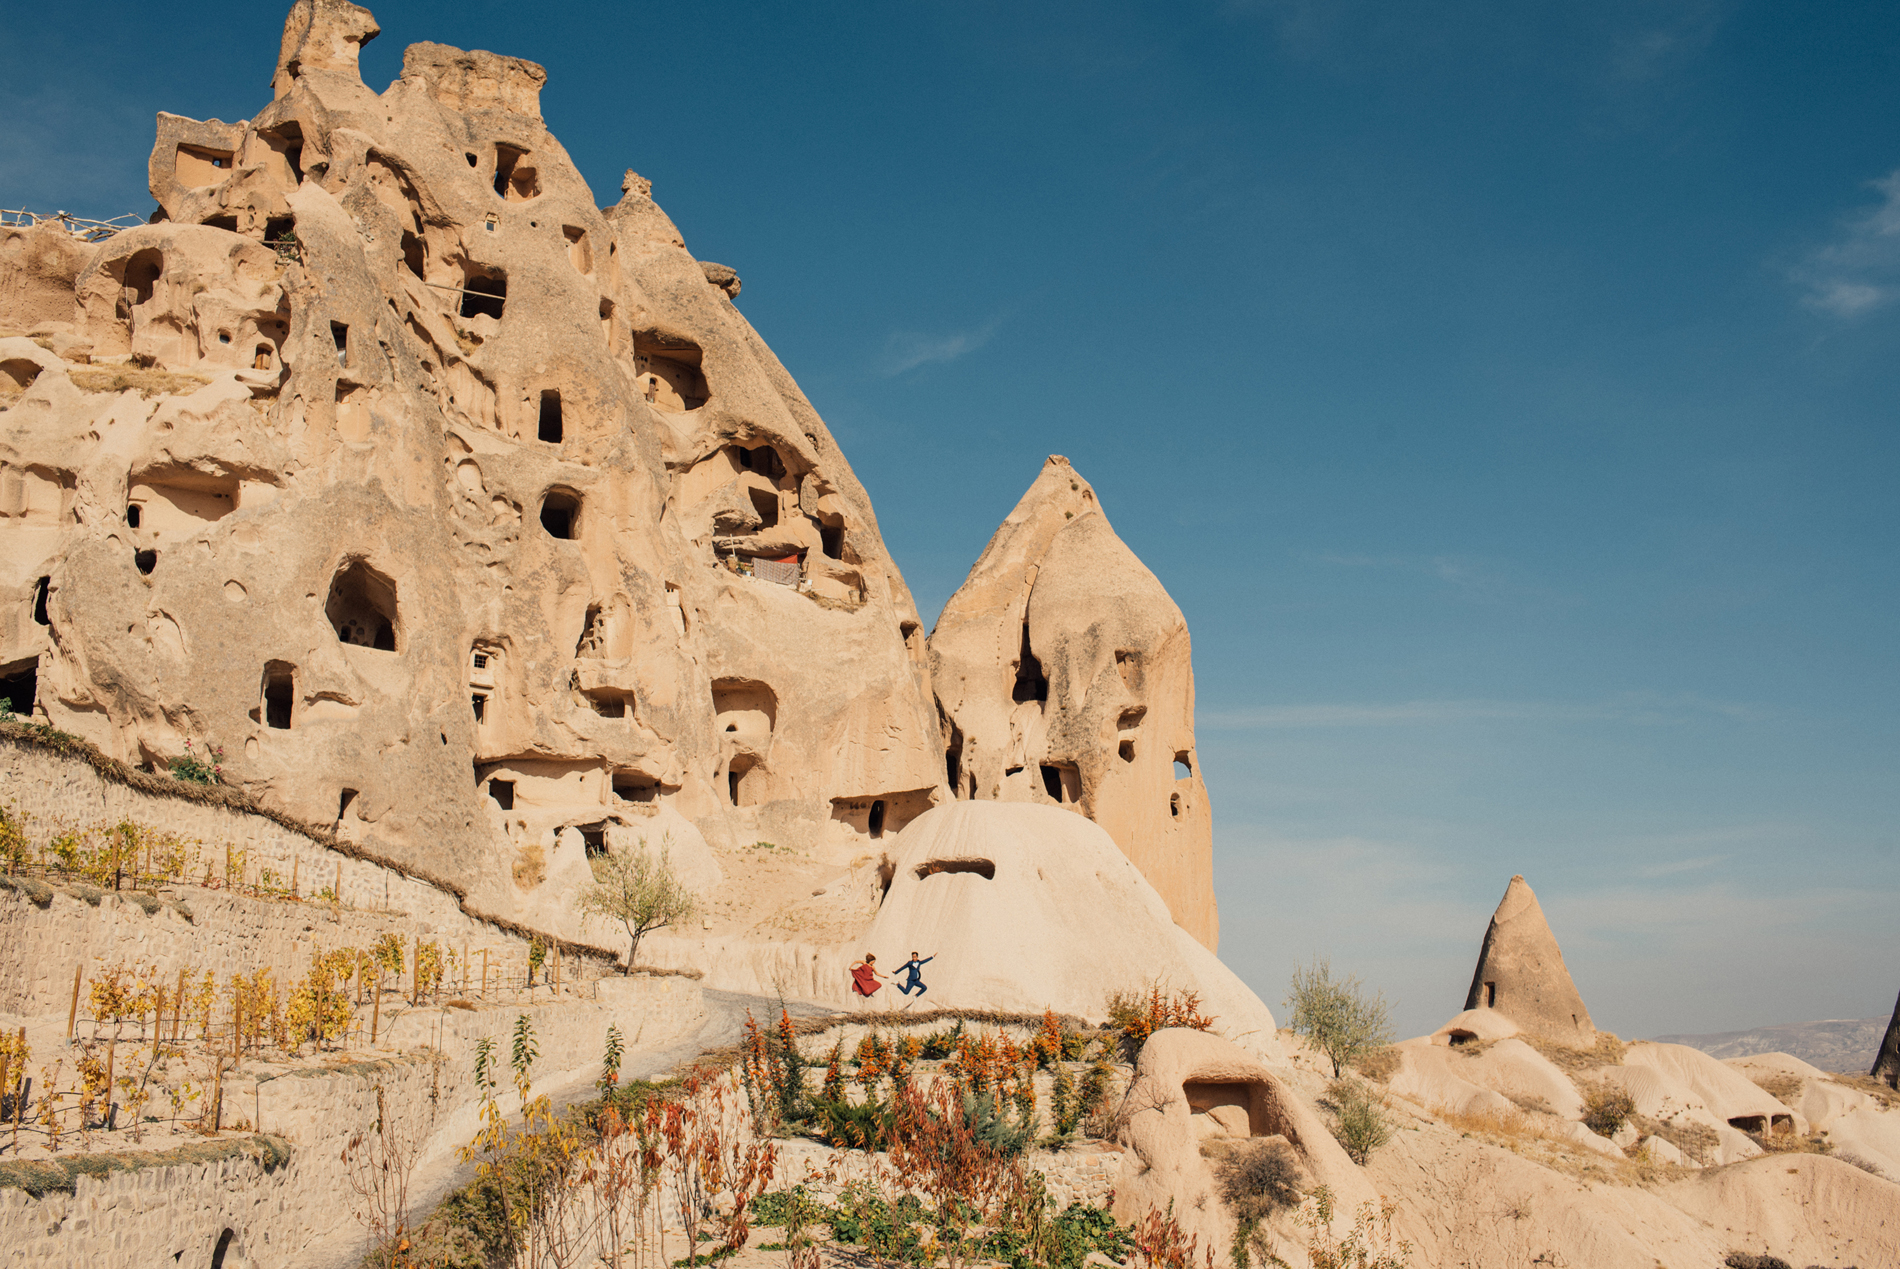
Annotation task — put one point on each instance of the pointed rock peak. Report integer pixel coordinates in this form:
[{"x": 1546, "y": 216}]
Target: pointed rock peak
[
  {"x": 1521, "y": 972},
  {"x": 322, "y": 35}
]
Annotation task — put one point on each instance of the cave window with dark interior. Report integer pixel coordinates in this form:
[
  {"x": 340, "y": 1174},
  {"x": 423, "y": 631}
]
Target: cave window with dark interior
[
  {"x": 502, "y": 793},
  {"x": 484, "y": 295},
  {"x": 280, "y": 688},
  {"x": 610, "y": 706},
  {"x": 983, "y": 868},
  {"x": 876, "y": 821},
  {"x": 515, "y": 180},
  {"x": 765, "y": 503},
  {"x": 741, "y": 780},
  {"x": 263, "y": 357},
  {"x": 1052, "y": 781},
  {"x": 953, "y": 762},
  {"x": 280, "y": 232},
  {"x": 1031, "y": 685},
  {"x": 1127, "y": 750},
  {"x": 560, "y": 514},
  {"x": 548, "y": 426},
  {"x": 414, "y": 255},
  {"x": 831, "y": 536},
  {"x": 142, "y": 273},
  {"x": 40, "y": 592},
  {"x": 480, "y": 703},
  {"x": 594, "y": 842},
  {"x": 145, "y": 561},
  {"x": 19, "y": 685},
  {"x": 362, "y": 607},
  {"x": 340, "y": 336},
  {"x": 343, "y": 800},
  {"x": 631, "y": 786},
  {"x": 1174, "y": 805}
]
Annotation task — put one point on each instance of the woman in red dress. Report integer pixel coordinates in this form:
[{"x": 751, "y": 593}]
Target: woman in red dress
[{"x": 864, "y": 977}]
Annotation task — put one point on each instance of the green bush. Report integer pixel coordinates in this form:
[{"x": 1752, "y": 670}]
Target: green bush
[
  {"x": 1337, "y": 1017},
  {"x": 1360, "y": 1123}
]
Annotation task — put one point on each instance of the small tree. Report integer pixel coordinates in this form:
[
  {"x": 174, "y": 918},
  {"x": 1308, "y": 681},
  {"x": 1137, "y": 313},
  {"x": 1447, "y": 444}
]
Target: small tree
[
  {"x": 641, "y": 892},
  {"x": 1337, "y": 1017}
]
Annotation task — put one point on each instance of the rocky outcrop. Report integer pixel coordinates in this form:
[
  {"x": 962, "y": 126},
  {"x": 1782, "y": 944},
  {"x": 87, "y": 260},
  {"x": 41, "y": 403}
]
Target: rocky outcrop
[
  {"x": 1521, "y": 972},
  {"x": 1887, "y": 1061},
  {"x": 1064, "y": 677},
  {"x": 1031, "y": 907},
  {"x": 405, "y": 476}
]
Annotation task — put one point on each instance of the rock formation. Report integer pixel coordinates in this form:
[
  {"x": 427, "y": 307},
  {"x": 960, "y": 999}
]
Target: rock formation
[
  {"x": 1887, "y": 1061},
  {"x": 1063, "y": 675},
  {"x": 457, "y": 512},
  {"x": 1031, "y": 907},
  {"x": 1521, "y": 972}
]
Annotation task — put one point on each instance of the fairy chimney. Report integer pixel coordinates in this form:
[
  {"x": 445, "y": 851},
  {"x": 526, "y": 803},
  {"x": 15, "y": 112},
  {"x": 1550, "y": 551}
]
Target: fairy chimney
[
  {"x": 1064, "y": 676},
  {"x": 1521, "y": 972}
]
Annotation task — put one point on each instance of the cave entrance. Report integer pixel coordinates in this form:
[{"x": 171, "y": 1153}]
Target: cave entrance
[{"x": 362, "y": 607}]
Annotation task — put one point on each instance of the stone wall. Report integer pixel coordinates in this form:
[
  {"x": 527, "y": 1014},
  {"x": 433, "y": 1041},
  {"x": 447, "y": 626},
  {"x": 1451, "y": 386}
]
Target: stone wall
[{"x": 300, "y": 1214}]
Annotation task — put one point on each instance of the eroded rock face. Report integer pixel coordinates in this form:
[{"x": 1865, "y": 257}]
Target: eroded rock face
[
  {"x": 1521, "y": 972},
  {"x": 1064, "y": 677},
  {"x": 458, "y": 512}
]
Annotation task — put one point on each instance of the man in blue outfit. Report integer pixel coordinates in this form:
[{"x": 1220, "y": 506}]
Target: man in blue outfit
[{"x": 913, "y": 972}]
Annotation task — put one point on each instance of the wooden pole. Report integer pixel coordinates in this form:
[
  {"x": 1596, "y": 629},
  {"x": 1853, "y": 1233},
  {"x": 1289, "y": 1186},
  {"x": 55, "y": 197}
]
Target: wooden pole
[
  {"x": 337, "y": 894},
  {"x": 72, "y": 1015},
  {"x": 294, "y": 861},
  {"x": 484, "y": 979},
  {"x": 464, "y": 967},
  {"x": 376, "y": 1012},
  {"x": 178, "y": 1009},
  {"x": 105, "y": 1116}
]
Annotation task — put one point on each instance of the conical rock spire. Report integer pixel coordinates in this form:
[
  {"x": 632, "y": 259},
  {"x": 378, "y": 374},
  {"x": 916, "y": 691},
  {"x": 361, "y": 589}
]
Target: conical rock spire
[{"x": 1521, "y": 972}]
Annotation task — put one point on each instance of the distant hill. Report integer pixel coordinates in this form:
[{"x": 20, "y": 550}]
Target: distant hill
[{"x": 1833, "y": 1045}]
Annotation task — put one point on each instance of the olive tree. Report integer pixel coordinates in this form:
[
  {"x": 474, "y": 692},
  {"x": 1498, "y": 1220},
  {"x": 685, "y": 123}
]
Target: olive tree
[
  {"x": 1337, "y": 1016},
  {"x": 639, "y": 890}
]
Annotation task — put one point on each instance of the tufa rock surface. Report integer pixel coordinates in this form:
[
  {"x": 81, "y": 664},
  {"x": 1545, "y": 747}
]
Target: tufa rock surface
[
  {"x": 457, "y": 512},
  {"x": 1063, "y": 675},
  {"x": 1521, "y": 973}
]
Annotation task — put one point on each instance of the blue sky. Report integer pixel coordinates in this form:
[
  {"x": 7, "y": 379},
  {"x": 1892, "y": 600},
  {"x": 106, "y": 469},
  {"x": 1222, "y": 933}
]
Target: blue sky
[{"x": 1505, "y": 391}]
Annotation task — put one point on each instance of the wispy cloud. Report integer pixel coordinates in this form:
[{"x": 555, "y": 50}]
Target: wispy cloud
[
  {"x": 906, "y": 350},
  {"x": 1478, "y": 580},
  {"x": 1678, "y": 34},
  {"x": 1634, "y": 708},
  {"x": 1860, "y": 270}
]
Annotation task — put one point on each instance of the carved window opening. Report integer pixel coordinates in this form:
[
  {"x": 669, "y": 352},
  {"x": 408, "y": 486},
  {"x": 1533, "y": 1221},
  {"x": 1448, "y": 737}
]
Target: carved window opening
[
  {"x": 1031, "y": 683},
  {"x": 340, "y": 336},
  {"x": 744, "y": 780},
  {"x": 1174, "y": 805},
  {"x": 1127, "y": 750},
  {"x": 1183, "y": 765},
  {"x": 981, "y": 867},
  {"x": 362, "y": 608},
  {"x": 579, "y": 253},
  {"x": 20, "y": 373},
  {"x": 561, "y": 514},
  {"x": 142, "y": 272},
  {"x": 280, "y": 690},
  {"x": 1490, "y": 995},
  {"x": 876, "y": 822},
  {"x": 831, "y": 536},
  {"x": 632, "y": 786},
  {"x": 19, "y": 685},
  {"x": 415, "y": 255},
  {"x": 132, "y": 515},
  {"x": 1129, "y": 666},
  {"x": 667, "y": 372},
  {"x": 286, "y": 140},
  {"x": 198, "y": 166},
  {"x": 515, "y": 180},
  {"x": 502, "y": 793},
  {"x": 608, "y": 704},
  {"x": 593, "y": 841},
  {"x": 1062, "y": 782},
  {"x": 548, "y": 423},
  {"x": 145, "y": 561},
  {"x": 484, "y": 295},
  {"x": 953, "y": 762},
  {"x": 264, "y": 357},
  {"x": 343, "y": 800},
  {"x": 479, "y": 702},
  {"x": 472, "y": 160},
  {"x": 40, "y": 590}
]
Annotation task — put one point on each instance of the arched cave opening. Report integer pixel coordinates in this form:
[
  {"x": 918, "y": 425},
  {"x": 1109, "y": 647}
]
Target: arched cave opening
[{"x": 362, "y": 607}]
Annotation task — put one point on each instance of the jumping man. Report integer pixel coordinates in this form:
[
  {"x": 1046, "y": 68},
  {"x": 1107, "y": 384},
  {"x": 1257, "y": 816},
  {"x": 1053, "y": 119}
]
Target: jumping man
[{"x": 913, "y": 971}]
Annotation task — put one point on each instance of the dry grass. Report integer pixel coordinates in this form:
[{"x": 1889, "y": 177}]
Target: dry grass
[
  {"x": 1790, "y": 1142},
  {"x": 1540, "y": 1139},
  {"x": 1783, "y": 1086},
  {"x": 1697, "y": 1141},
  {"x": 1379, "y": 1065},
  {"x": 1608, "y": 1051},
  {"x": 147, "y": 383},
  {"x": 1867, "y": 1084}
]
